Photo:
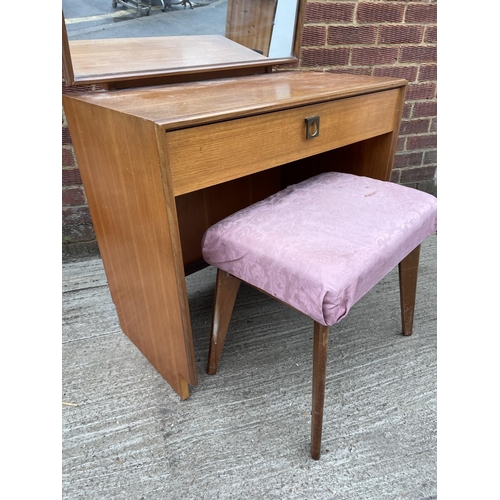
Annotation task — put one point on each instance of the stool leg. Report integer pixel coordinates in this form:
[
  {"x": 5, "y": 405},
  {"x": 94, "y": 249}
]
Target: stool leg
[
  {"x": 320, "y": 351},
  {"x": 226, "y": 289},
  {"x": 408, "y": 273}
]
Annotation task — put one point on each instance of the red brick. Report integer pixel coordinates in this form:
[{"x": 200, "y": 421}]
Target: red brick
[
  {"x": 419, "y": 91},
  {"x": 329, "y": 12},
  {"x": 430, "y": 157},
  {"x": 371, "y": 56},
  {"x": 423, "y": 13},
  {"x": 430, "y": 35},
  {"x": 415, "y": 126},
  {"x": 427, "y": 72},
  {"x": 407, "y": 72},
  {"x": 66, "y": 137},
  {"x": 73, "y": 196},
  {"x": 395, "y": 176},
  {"x": 401, "y": 144},
  {"x": 400, "y": 34},
  {"x": 314, "y": 36},
  {"x": 76, "y": 215},
  {"x": 417, "y": 174},
  {"x": 424, "y": 109},
  {"x": 76, "y": 89},
  {"x": 433, "y": 125},
  {"x": 418, "y": 54},
  {"x": 352, "y": 35},
  {"x": 293, "y": 65},
  {"x": 77, "y": 225},
  {"x": 352, "y": 71},
  {"x": 68, "y": 158},
  {"x": 381, "y": 12},
  {"x": 77, "y": 232},
  {"x": 80, "y": 249},
  {"x": 324, "y": 57},
  {"x": 403, "y": 160},
  {"x": 71, "y": 177},
  {"x": 421, "y": 142},
  {"x": 407, "y": 110}
]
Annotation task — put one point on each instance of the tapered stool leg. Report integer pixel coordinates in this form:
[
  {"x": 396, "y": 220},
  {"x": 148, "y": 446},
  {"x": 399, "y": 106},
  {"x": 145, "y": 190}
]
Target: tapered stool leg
[
  {"x": 408, "y": 274},
  {"x": 320, "y": 351},
  {"x": 226, "y": 289}
]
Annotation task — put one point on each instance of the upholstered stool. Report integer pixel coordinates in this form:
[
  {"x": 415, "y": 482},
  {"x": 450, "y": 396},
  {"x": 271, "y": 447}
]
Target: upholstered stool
[{"x": 319, "y": 246}]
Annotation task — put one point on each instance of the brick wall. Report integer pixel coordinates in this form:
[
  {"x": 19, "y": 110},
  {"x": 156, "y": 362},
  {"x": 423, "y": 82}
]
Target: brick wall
[
  {"x": 78, "y": 237},
  {"x": 369, "y": 37},
  {"x": 384, "y": 38}
]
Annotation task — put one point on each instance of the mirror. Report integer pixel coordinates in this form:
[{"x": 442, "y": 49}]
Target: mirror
[{"x": 132, "y": 42}]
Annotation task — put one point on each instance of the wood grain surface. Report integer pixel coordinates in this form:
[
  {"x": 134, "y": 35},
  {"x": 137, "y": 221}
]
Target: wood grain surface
[
  {"x": 93, "y": 59},
  {"x": 140, "y": 247},
  {"x": 250, "y": 23},
  {"x": 198, "y": 103},
  {"x": 216, "y": 153}
]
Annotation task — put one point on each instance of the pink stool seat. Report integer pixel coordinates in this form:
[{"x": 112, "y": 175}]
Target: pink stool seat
[{"x": 320, "y": 245}]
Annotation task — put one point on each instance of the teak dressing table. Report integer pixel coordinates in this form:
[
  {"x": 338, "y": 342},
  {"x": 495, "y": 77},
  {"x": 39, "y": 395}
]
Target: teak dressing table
[{"x": 162, "y": 163}]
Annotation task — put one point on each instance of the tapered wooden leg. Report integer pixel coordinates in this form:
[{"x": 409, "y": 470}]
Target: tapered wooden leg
[
  {"x": 320, "y": 351},
  {"x": 408, "y": 273},
  {"x": 226, "y": 289}
]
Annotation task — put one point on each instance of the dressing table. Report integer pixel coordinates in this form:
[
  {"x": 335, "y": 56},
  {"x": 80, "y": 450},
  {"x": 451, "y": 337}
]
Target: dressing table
[{"x": 168, "y": 149}]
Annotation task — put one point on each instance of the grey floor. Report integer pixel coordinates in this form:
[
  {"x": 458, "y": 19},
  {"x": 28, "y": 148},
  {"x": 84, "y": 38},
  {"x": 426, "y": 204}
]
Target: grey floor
[{"x": 244, "y": 433}]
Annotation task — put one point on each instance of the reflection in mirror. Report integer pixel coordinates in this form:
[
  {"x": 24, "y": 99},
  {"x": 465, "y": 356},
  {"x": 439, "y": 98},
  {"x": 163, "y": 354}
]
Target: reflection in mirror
[{"x": 132, "y": 38}]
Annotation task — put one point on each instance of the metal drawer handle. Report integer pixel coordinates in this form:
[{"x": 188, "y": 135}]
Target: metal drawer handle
[{"x": 312, "y": 127}]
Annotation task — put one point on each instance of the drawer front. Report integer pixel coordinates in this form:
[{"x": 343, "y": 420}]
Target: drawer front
[{"x": 211, "y": 154}]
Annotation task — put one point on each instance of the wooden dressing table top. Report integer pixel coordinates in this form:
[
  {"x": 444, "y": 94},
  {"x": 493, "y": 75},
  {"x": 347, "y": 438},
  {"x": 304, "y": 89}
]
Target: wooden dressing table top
[{"x": 188, "y": 104}]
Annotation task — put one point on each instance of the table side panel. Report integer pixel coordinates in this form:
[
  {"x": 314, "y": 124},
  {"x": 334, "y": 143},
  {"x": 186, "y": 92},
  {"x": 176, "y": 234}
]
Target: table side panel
[
  {"x": 211, "y": 154},
  {"x": 120, "y": 168}
]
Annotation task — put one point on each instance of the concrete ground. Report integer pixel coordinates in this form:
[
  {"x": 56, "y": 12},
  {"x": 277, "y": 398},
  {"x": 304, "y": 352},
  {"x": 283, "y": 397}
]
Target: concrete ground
[{"x": 244, "y": 433}]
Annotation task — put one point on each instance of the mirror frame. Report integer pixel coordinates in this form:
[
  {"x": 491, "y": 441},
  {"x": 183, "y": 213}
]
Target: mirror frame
[{"x": 176, "y": 75}]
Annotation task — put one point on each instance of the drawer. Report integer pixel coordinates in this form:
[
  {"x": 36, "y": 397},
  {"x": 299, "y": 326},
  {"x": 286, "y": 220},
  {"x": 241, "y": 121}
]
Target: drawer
[{"x": 211, "y": 154}]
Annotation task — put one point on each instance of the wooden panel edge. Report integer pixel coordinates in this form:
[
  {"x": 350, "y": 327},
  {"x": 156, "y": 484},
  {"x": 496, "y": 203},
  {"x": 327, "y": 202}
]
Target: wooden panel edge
[{"x": 168, "y": 191}]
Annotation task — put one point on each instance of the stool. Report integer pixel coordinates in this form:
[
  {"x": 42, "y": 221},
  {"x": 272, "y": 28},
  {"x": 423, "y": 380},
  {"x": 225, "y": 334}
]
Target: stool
[{"x": 319, "y": 246}]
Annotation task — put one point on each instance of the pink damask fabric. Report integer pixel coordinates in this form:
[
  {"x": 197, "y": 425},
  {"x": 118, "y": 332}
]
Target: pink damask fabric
[{"x": 320, "y": 245}]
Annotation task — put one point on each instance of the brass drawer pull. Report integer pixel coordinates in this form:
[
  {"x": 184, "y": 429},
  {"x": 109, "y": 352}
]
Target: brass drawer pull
[{"x": 312, "y": 127}]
